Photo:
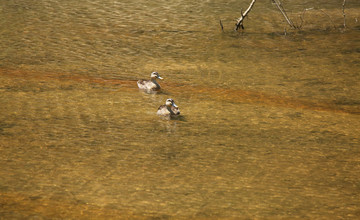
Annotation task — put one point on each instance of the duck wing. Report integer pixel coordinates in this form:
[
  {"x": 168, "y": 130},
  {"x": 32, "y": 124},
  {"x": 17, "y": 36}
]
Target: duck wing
[
  {"x": 161, "y": 107},
  {"x": 141, "y": 83}
]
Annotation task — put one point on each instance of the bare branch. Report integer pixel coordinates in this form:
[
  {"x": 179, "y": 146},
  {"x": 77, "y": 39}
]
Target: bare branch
[
  {"x": 308, "y": 9},
  {"x": 240, "y": 21},
  {"x": 328, "y": 17},
  {"x": 343, "y": 11},
  {"x": 302, "y": 16},
  {"x": 283, "y": 12},
  {"x": 221, "y": 25}
]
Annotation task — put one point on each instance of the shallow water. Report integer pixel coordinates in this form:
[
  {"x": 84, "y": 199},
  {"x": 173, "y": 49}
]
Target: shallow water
[{"x": 269, "y": 128}]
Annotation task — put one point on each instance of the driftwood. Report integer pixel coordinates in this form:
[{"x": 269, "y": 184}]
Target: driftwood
[{"x": 240, "y": 21}]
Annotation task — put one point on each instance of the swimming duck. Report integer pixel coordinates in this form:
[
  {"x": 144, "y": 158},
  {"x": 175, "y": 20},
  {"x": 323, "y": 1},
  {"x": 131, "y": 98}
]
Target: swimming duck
[
  {"x": 169, "y": 109},
  {"x": 150, "y": 85}
]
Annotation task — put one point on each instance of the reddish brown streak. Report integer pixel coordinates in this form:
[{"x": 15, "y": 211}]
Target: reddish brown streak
[{"x": 224, "y": 94}]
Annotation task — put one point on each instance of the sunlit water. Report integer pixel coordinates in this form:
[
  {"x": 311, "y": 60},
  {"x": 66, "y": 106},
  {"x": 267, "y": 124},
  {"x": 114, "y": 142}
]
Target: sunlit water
[{"x": 270, "y": 124}]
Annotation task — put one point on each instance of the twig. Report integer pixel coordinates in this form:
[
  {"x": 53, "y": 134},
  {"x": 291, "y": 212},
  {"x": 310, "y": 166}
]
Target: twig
[
  {"x": 343, "y": 11},
  {"x": 221, "y": 25},
  {"x": 240, "y": 21},
  {"x": 302, "y": 16},
  {"x": 308, "y": 9},
  {"x": 329, "y": 17},
  {"x": 282, "y": 10}
]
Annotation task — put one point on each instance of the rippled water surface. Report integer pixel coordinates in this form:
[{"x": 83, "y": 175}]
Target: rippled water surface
[{"x": 270, "y": 124}]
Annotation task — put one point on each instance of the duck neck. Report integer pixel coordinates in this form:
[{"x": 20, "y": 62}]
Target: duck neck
[
  {"x": 154, "y": 81},
  {"x": 169, "y": 109}
]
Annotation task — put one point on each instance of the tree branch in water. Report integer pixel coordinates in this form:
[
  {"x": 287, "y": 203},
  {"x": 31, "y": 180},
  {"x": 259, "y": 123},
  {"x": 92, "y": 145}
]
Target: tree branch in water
[
  {"x": 283, "y": 12},
  {"x": 328, "y": 17},
  {"x": 240, "y": 21},
  {"x": 308, "y": 9},
  {"x": 221, "y": 25},
  {"x": 343, "y": 11}
]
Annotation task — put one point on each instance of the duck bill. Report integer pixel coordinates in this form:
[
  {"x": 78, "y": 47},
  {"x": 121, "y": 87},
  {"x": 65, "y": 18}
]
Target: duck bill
[
  {"x": 159, "y": 77},
  {"x": 174, "y": 105}
]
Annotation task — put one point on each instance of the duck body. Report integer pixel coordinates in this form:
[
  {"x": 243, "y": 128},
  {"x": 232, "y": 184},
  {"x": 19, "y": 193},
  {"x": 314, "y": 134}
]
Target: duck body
[
  {"x": 169, "y": 109},
  {"x": 150, "y": 85}
]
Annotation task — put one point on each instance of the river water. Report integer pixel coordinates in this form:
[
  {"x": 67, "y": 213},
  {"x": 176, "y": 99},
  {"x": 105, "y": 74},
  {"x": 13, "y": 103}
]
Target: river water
[{"x": 270, "y": 124}]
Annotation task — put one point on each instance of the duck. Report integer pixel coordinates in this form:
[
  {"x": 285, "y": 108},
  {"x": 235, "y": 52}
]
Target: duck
[
  {"x": 169, "y": 109},
  {"x": 150, "y": 85}
]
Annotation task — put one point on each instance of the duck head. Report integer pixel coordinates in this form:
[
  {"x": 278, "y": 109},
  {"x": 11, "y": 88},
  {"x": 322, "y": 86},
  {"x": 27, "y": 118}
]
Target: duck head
[
  {"x": 155, "y": 75},
  {"x": 170, "y": 102}
]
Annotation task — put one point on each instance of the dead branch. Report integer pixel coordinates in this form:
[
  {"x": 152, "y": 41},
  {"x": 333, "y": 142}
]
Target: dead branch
[
  {"x": 308, "y": 9},
  {"x": 221, "y": 25},
  {"x": 302, "y": 16},
  {"x": 343, "y": 12},
  {"x": 283, "y": 12},
  {"x": 328, "y": 17},
  {"x": 240, "y": 21}
]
